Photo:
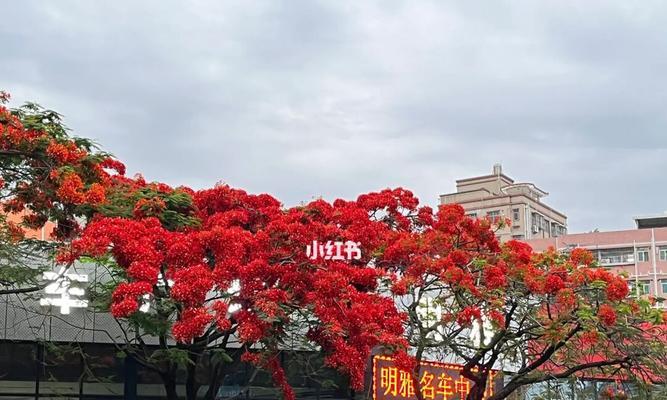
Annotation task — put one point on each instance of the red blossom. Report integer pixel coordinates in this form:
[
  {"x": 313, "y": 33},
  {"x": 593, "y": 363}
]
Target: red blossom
[
  {"x": 71, "y": 189},
  {"x": 192, "y": 323},
  {"x": 581, "y": 256},
  {"x": 14, "y": 232},
  {"x": 113, "y": 164},
  {"x": 495, "y": 277},
  {"x": 405, "y": 361},
  {"x": 617, "y": 289},
  {"x": 95, "y": 194},
  {"x": 142, "y": 271},
  {"x": 191, "y": 284},
  {"x": 149, "y": 207},
  {"x": 467, "y": 315},
  {"x": 124, "y": 308},
  {"x": 553, "y": 283},
  {"x": 607, "y": 315},
  {"x": 65, "y": 153},
  {"x": 566, "y": 299}
]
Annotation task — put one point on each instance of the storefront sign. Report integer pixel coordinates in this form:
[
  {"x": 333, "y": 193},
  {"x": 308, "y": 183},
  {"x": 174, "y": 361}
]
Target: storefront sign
[{"x": 437, "y": 381}]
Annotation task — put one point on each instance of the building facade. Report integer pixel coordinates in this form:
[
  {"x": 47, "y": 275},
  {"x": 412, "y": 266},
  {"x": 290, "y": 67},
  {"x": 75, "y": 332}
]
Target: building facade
[
  {"x": 43, "y": 233},
  {"x": 497, "y": 196},
  {"x": 639, "y": 253}
]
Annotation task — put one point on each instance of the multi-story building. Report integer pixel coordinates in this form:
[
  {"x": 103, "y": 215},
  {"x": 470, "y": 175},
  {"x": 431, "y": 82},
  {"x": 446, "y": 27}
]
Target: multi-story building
[
  {"x": 640, "y": 253},
  {"x": 497, "y": 196}
]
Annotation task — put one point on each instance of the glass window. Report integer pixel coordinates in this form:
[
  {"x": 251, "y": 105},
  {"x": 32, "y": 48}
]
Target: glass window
[
  {"x": 642, "y": 289},
  {"x": 557, "y": 229},
  {"x": 472, "y": 215},
  {"x": 515, "y": 214},
  {"x": 539, "y": 223},
  {"x": 17, "y": 369},
  {"x": 642, "y": 254},
  {"x": 17, "y": 362},
  {"x": 663, "y": 283},
  {"x": 101, "y": 361},
  {"x": 617, "y": 256},
  {"x": 663, "y": 253},
  {"x": 646, "y": 287},
  {"x": 62, "y": 362},
  {"x": 493, "y": 216}
]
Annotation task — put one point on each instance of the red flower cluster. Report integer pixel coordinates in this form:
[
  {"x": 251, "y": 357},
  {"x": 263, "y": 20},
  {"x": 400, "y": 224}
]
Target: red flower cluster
[
  {"x": 65, "y": 153},
  {"x": 126, "y": 298},
  {"x": 149, "y": 207},
  {"x": 607, "y": 315},
  {"x": 60, "y": 177},
  {"x": 71, "y": 189},
  {"x": 616, "y": 287},
  {"x": 191, "y": 324},
  {"x": 468, "y": 315}
]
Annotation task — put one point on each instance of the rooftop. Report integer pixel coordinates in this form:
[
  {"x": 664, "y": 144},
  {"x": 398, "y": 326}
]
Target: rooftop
[
  {"x": 651, "y": 221},
  {"x": 610, "y": 239}
]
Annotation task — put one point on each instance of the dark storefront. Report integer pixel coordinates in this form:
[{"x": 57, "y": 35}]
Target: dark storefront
[
  {"x": 50, "y": 351},
  {"x": 32, "y": 370}
]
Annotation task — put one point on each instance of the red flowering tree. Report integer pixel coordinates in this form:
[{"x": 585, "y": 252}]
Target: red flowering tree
[
  {"x": 45, "y": 175},
  {"x": 209, "y": 267},
  {"x": 544, "y": 316},
  {"x": 201, "y": 269}
]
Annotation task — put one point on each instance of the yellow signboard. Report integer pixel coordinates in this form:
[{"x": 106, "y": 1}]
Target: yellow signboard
[{"x": 437, "y": 381}]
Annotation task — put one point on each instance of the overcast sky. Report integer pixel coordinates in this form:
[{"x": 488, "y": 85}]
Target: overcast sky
[{"x": 303, "y": 98}]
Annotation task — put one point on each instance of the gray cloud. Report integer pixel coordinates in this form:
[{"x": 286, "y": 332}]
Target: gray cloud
[{"x": 307, "y": 98}]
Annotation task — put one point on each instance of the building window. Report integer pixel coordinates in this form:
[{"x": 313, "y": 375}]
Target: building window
[
  {"x": 517, "y": 237},
  {"x": 557, "y": 230},
  {"x": 616, "y": 256},
  {"x": 663, "y": 283},
  {"x": 515, "y": 214},
  {"x": 472, "y": 215},
  {"x": 493, "y": 216},
  {"x": 642, "y": 289},
  {"x": 663, "y": 253},
  {"x": 539, "y": 223},
  {"x": 642, "y": 254}
]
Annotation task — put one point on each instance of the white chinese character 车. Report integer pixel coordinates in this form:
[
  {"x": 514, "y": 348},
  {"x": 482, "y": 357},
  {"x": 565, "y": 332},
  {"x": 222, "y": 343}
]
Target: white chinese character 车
[{"x": 61, "y": 285}]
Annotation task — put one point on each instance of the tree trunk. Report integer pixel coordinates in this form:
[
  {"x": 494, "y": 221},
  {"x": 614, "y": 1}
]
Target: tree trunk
[
  {"x": 169, "y": 381},
  {"x": 477, "y": 391},
  {"x": 416, "y": 374},
  {"x": 191, "y": 386},
  {"x": 214, "y": 384},
  {"x": 478, "y": 388}
]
